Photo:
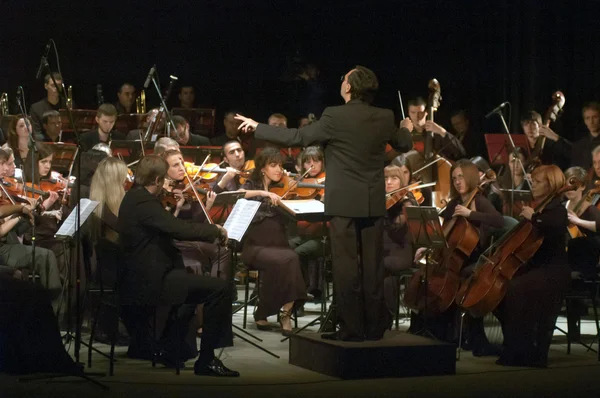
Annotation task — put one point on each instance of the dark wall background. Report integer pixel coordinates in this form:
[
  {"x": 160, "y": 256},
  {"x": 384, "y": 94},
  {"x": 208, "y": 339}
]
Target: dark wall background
[{"x": 234, "y": 52}]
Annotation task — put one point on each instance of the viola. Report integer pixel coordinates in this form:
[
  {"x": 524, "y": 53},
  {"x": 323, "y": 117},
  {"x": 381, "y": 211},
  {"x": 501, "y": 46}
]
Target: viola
[
  {"x": 486, "y": 287},
  {"x": 443, "y": 272},
  {"x": 398, "y": 195},
  {"x": 310, "y": 188}
]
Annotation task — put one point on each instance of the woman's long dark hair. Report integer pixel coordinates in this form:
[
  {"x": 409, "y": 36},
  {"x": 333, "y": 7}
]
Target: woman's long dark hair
[
  {"x": 266, "y": 156},
  {"x": 41, "y": 152}
]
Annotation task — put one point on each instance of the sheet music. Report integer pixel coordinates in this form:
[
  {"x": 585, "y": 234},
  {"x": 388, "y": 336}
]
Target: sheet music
[
  {"x": 240, "y": 218},
  {"x": 304, "y": 206},
  {"x": 67, "y": 229}
]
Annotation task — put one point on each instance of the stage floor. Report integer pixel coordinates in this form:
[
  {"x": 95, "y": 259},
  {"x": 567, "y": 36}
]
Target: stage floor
[{"x": 265, "y": 376}]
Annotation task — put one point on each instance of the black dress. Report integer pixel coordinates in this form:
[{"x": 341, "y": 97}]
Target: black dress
[
  {"x": 534, "y": 295},
  {"x": 266, "y": 248}
]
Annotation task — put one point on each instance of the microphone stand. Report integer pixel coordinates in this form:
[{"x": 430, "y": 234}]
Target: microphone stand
[
  {"x": 33, "y": 149},
  {"x": 162, "y": 101}
]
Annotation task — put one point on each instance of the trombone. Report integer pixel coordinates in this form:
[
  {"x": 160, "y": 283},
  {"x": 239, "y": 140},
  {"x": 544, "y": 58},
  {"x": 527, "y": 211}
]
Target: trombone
[
  {"x": 140, "y": 103},
  {"x": 4, "y": 104}
]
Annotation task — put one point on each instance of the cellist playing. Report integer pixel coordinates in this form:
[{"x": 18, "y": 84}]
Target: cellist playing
[{"x": 480, "y": 212}]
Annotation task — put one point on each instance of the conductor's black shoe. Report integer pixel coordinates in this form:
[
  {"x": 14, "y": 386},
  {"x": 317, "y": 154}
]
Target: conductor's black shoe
[
  {"x": 340, "y": 336},
  {"x": 214, "y": 368}
]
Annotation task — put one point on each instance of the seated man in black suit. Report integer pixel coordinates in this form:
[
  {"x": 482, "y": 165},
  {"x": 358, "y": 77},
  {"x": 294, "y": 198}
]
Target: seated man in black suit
[
  {"x": 106, "y": 118},
  {"x": 354, "y": 137},
  {"x": 183, "y": 135},
  {"x": 154, "y": 273}
]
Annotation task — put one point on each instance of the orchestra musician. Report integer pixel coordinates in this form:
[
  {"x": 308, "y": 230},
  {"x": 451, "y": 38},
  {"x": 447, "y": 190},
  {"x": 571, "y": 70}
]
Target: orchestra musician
[
  {"x": 52, "y": 102},
  {"x": 464, "y": 132},
  {"x": 18, "y": 139},
  {"x": 106, "y": 116},
  {"x": 187, "y": 97},
  {"x": 490, "y": 189},
  {"x": 534, "y": 295},
  {"x": 236, "y": 160},
  {"x": 19, "y": 256},
  {"x": 517, "y": 164},
  {"x": 484, "y": 217},
  {"x": 594, "y": 171},
  {"x": 51, "y": 121},
  {"x": 354, "y": 136},
  {"x": 306, "y": 241},
  {"x": 397, "y": 243},
  {"x": 164, "y": 144},
  {"x": 266, "y": 247},
  {"x": 556, "y": 150},
  {"x": 581, "y": 148},
  {"x": 443, "y": 140},
  {"x": 154, "y": 272},
  {"x": 126, "y": 99},
  {"x": 213, "y": 259},
  {"x": 406, "y": 165},
  {"x": 183, "y": 135}
]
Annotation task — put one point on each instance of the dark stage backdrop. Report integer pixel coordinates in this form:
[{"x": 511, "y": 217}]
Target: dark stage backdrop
[{"x": 235, "y": 52}]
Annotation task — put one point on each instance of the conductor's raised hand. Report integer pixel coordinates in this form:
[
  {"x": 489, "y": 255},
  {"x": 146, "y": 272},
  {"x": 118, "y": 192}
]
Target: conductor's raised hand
[
  {"x": 248, "y": 125},
  {"x": 407, "y": 124}
]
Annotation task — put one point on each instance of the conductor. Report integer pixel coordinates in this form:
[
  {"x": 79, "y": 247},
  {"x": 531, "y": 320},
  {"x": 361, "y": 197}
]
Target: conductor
[{"x": 353, "y": 137}]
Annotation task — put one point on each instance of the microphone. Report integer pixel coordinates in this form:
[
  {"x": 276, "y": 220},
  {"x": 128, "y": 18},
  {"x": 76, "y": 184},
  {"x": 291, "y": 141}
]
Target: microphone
[
  {"x": 497, "y": 109},
  {"x": 149, "y": 78},
  {"x": 43, "y": 61}
]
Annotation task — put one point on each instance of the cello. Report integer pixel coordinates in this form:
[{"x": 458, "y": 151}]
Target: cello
[
  {"x": 481, "y": 293},
  {"x": 443, "y": 270}
]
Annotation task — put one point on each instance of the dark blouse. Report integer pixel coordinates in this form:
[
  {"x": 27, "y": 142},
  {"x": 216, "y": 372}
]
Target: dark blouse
[
  {"x": 551, "y": 223},
  {"x": 268, "y": 227}
]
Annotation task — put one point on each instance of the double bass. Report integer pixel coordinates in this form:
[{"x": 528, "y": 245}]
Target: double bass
[
  {"x": 555, "y": 109},
  {"x": 481, "y": 293},
  {"x": 443, "y": 269},
  {"x": 437, "y": 168}
]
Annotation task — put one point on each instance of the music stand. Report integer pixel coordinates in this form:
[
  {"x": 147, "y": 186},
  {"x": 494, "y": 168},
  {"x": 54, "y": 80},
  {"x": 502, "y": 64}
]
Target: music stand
[
  {"x": 499, "y": 146},
  {"x": 64, "y": 155},
  {"x": 426, "y": 231},
  {"x": 129, "y": 150}
]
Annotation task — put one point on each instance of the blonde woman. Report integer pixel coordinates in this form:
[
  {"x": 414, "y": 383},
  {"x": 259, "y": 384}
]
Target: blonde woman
[{"x": 107, "y": 188}]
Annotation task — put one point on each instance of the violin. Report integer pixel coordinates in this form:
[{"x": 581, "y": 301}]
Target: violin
[
  {"x": 210, "y": 171},
  {"x": 443, "y": 272},
  {"x": 486, "y": 287},
  {"x": 586, "y": 201},
  {"x": 310, "y": 188},
  {"x": 398, "y": 195}
]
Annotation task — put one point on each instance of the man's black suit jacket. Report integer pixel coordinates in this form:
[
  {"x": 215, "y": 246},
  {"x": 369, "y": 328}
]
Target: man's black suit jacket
[{"x": 353, "y": 137}]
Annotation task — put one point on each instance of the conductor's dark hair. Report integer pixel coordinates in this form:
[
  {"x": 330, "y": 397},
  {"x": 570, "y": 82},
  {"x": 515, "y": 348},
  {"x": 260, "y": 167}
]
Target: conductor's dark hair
[
  {"x": 267, "y": 156},
  {"x": 419, "y": 101},
  {"x": 363, "y": 84},
  {"x": 149, "y": 169}
]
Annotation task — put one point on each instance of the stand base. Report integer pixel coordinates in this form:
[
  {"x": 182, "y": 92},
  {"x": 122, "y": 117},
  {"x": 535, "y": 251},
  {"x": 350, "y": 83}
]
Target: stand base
[{"x": 398, "y": 354}]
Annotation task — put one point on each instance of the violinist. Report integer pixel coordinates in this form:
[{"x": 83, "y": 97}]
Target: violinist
[
  {"x": 164, "y": 144},
  {"x": 488, "y": 184},
  {"x": 213, "y": 259},
  {"x": 556, "y": 149},
  {"x": 307, "y": 240},
  {"x": 397, "y": 244},
  {"x": 18, "y": 139},
  {"x": 10, "y": 163},
  {"x": 19, "y": 256},
  {"x": 266, "y": 247},
  {"x": 403, "y": 161},
  {"x": 236, "y": 162},
  {"x": 154, "y": 274},
  {"x": 443, "y": 140},
  {"x": 535, "y": 294}
]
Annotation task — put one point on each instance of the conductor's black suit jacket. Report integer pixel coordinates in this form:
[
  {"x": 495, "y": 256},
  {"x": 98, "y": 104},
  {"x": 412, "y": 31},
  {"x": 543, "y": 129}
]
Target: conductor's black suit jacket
[{"x": 353, "y": 137}]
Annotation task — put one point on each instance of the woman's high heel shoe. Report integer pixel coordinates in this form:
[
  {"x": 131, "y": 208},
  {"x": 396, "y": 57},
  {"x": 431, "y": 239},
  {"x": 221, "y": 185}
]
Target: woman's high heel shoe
[{"x": 283, "y": 315}]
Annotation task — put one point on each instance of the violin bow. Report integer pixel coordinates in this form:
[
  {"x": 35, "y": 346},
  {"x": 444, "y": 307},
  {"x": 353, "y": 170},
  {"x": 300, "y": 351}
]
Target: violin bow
[
  {"x": 401, "y": 106},
  {"x": 210, "y": 221},
  {"x": 295, "y": 182},
  {"x": 64, "y": 198}
]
